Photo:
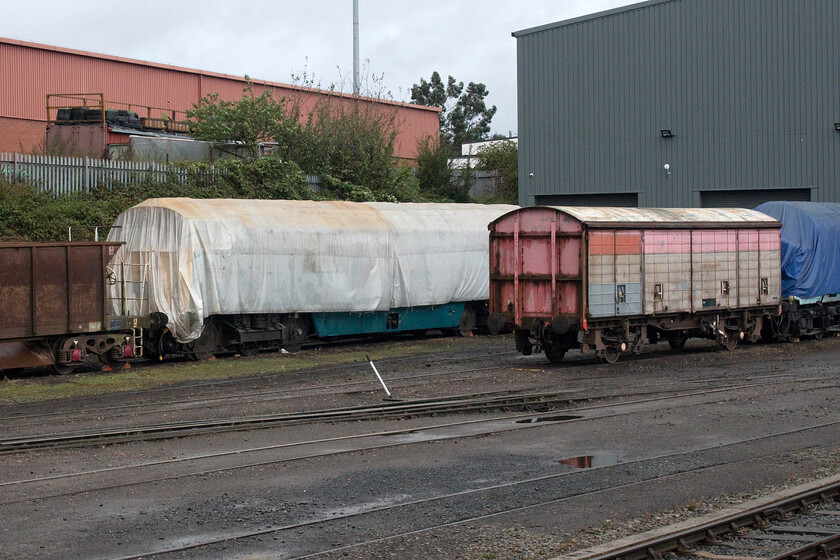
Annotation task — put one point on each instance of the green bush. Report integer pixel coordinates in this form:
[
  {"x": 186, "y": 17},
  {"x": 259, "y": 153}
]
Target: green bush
[
  {"x": 436, "y": 177},
  {"x": 503, "y": 158},
  {"x": 27, "y": 213}
]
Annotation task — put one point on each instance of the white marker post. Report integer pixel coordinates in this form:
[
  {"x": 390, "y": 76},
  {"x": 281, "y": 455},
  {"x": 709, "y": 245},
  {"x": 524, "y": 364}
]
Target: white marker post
[{"x": 378, "y": 376}]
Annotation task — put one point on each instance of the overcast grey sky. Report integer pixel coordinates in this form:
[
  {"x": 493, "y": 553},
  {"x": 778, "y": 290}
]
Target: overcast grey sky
[{"x": 272, "y": 40}]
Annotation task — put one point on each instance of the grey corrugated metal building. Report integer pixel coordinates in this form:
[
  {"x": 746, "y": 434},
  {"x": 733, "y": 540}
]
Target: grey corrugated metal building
[{"x": 748, "y": 90}]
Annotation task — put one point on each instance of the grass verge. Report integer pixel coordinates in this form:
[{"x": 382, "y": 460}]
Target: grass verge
[{"x": 48, "y": 388}]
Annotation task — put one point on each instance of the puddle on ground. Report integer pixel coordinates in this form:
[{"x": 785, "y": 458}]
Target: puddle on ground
[
  {"x": 591, "y": 461},
  {"x": 561, "y": 418}
]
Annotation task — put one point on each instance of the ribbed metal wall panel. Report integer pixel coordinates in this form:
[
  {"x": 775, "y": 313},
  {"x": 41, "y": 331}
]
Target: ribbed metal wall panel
[
  {"x": 29, "y": 72},
  {"x": 750, "y": 89}
]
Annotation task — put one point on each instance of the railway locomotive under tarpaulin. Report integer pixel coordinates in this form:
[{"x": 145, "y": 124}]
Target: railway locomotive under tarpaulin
[
  {"x": 243, "y": 275},
  {"x": 609, "y": 280},
  {"x": 810, "y": 263}
]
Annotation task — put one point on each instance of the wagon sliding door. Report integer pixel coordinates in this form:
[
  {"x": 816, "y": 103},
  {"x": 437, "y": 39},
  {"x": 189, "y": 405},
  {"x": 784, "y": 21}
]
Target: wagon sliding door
[{"x": 615, "y": 273}]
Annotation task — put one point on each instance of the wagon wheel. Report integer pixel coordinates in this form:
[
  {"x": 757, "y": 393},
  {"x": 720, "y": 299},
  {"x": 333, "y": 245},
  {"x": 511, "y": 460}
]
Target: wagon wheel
[
  {"x": 554, "y": 350},
  {"x": 205, "y": 345},
  {"x": 63, "y": 369},
  {"x": 110, "y": 360},
  {"x": 731, "y": 341},
  {"x": 467, "y": 323},
  {"x": 60, "y": 369},
  {"x": 248, "y": 349},
  {"x": 678, "y": 341},
  {"x": 297, "y": 332},
  {"x": 611, "y": 354},
  {"x": 153, "y": 350},
  {"x": 110, "y": 276}
]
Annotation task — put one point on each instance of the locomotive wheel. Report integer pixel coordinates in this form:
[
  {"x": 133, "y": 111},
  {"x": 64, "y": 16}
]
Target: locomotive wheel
[
  {"x": 819, "y": 335},
  {"x": 611, "y": 354},
  {"x": 678, "y": 342},
  {"x": 467, "y": 324},
  {"x": 554, "y": 351}
]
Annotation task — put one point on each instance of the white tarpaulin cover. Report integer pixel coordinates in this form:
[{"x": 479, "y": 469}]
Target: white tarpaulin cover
[{"x": 191, "y": 259}]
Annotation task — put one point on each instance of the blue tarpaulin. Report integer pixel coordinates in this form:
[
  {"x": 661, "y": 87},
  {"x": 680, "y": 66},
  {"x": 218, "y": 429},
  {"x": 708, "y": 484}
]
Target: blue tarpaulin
[{"x": 810, "y": 247}]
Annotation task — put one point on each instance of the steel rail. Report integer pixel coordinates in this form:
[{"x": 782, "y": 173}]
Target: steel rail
[
  {"x": 710, "y": 533},
  {"x": 534, "y": 402},
  {"x": 232, "y": 399},
  {"x": 519, "y": 418},
  {"x": 442, "y": 405},
  {"x": 538, "y": 423},
  {"x": 383, "y": 509}
]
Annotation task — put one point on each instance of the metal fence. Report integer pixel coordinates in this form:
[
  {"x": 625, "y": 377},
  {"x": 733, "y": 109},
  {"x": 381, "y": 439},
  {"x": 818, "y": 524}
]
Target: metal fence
[{"x": 65, "y": 175}]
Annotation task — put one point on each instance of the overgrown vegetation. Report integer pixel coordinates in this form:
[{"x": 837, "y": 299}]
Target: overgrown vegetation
[
  {"x": 348, "y": 142},
  {"x": 436, "y": 174},
  {"x": 27, "y": 213},
  {"x": 503, "y": 158},
  {"x": 39, "y": 389}
]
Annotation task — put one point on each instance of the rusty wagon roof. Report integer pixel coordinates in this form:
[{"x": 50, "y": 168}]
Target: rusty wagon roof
[{"x": 603, "y": 216}]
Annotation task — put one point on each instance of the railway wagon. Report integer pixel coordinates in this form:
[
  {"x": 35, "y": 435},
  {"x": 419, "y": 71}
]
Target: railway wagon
[
  {"x": 243, "y": 275},
  {"x": 810, "y": 263},
  {"x": 53, "y": 306},
  {"x": 609, "y": 280}
]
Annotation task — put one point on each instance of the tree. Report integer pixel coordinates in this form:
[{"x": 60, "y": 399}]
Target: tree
[
  {"x": 465, "y": 116},
  {"x": 248, "y": 121},
  {"x": 503, "y": 158}
]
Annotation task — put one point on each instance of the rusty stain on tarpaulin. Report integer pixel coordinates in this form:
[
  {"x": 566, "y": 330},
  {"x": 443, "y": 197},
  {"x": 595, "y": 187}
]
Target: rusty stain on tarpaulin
[{"x": 282, "y": 214}]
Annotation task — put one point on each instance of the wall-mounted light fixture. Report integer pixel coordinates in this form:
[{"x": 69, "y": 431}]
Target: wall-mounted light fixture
[
  {"x": 837, "y": 126},
  {"x": 667, "y": 168},
  {"x": 666, "y": 133}
]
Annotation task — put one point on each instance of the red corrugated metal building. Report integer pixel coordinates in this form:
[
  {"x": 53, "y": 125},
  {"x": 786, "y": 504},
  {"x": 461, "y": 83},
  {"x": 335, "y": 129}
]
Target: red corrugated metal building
[{"x": 30, "y": 71}]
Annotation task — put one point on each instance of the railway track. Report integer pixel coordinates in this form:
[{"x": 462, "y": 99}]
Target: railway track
[
  {"x": 802, "y": 526},
  {"x": 498, "y": 494},
  {"x": 506, "y": 401},
  {"x": 354, "y": 442},
  {"x": 14, "y": 422},
  {"x": 509, "y": 497},
  {"x": 534, "y": 402}
]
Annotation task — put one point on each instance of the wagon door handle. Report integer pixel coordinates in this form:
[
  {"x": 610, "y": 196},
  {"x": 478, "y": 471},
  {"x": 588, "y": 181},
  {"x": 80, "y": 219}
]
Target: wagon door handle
[{"x": 621, "y": 293}]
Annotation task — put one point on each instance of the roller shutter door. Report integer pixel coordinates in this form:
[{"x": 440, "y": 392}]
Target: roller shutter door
[
  {"x": 750, "y": 198},
  {"x": 624, "y": 200}
]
